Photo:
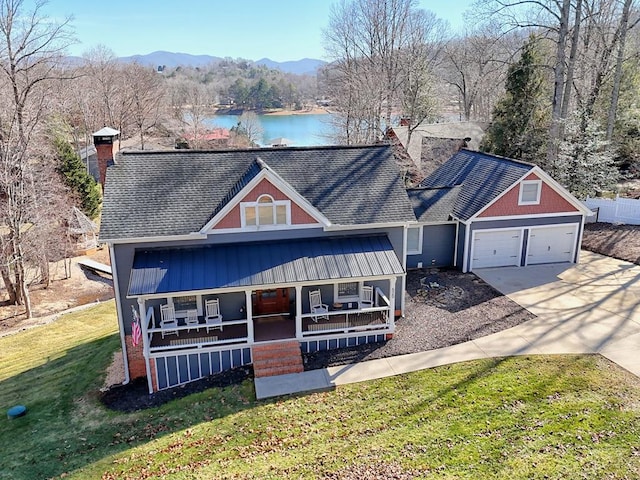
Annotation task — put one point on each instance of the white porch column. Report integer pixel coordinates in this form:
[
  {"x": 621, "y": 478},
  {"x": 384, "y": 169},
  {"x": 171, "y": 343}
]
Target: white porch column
[
  {"x": 392, "y": 300},
  {"x": 145, "y": 342},
  {"x": 248, "y": 306},
  {"x": 299, "y": 312}
]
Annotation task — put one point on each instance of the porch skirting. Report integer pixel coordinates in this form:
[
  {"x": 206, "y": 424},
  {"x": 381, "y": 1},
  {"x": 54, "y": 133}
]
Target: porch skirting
[{"x": 171, "y": 369}]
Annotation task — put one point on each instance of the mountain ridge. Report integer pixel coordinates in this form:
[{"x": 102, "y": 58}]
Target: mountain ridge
[{"x": 304, "y": 66}]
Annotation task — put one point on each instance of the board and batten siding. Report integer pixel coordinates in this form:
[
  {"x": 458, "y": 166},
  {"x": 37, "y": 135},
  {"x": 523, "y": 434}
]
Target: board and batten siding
[{"x": 438, "y": 245}]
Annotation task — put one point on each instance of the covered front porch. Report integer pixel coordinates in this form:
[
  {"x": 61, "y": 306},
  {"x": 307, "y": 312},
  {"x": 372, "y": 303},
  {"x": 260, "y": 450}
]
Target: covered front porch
[
  {"x": 312, "y": 290},
  {"x": 292, "y": 318}
]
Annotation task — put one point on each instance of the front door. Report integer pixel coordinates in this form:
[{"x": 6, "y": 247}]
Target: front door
[{"x": 268, "y": 302}]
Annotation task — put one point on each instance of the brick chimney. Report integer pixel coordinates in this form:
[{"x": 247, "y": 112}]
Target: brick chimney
[{"x": 103, "y": 140}]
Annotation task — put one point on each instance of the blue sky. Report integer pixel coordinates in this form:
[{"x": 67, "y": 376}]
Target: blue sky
[{"x": 252, "y": 29}]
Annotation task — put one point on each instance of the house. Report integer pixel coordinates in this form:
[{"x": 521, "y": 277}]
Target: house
[
  {"x": 221, "y": 253},
  {"x": 303, "y": 244},
  {"x": 432, "y": 144},
  {"x": 479, "y": 210}
]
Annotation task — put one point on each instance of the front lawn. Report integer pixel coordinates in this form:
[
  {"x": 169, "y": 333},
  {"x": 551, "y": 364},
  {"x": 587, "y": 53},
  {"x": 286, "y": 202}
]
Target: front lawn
[{"x": 526, "y": 417}]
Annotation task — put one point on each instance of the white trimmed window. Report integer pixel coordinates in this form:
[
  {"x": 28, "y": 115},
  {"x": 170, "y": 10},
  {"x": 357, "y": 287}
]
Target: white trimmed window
[
  {"x": 265, "y": 212},
  {"x": 347, "y": 292},
  {"x": 414, "y": 240},
  {"x": 530, "y": 192}
]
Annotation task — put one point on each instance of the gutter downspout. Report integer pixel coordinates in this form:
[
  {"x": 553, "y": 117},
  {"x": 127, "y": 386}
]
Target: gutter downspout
[
  {"x": 116, "y": 288},
  {"x": 455, "y": 245}
]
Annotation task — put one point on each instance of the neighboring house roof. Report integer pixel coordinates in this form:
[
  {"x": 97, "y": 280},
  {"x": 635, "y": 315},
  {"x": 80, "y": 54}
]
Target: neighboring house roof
[
  {"x": 434, "y": 204},
  {"x": 453, "y": 130},
  {"x": 162, "y": 271},
  {"x": 155, "y": 194},
  {"x": 481, "y": 178}
]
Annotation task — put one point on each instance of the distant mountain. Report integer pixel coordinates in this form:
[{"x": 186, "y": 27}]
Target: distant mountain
[
  {"x": 172, "y": 60},
  {"x": 306, "y": 66}
]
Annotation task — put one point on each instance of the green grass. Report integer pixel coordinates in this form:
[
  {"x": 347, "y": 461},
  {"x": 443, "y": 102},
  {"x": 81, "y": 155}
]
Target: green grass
[{"x": 526, "y": 417}]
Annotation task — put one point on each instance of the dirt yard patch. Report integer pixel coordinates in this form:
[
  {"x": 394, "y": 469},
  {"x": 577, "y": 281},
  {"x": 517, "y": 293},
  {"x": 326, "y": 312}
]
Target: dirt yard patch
[
  {"x": 81, "y": 288},
  {"x": 617, "y": 241}
]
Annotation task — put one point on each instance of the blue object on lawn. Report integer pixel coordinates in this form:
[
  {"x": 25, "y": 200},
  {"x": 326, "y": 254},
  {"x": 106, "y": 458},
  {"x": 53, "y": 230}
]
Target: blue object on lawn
[{"x": 17, "y": 411}]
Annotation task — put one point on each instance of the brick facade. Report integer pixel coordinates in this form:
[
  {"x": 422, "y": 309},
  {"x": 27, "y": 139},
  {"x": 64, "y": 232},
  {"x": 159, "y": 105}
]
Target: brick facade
[
  {"x": 135, "y": 358},
  {"x": 550, "y": 202}
]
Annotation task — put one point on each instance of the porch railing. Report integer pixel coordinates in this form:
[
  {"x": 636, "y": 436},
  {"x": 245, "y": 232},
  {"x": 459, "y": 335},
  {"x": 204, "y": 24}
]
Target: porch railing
[{"x": 343, "y": 321}]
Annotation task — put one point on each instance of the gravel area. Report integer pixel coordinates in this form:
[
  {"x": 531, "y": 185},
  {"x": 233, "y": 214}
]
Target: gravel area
[{"x": 443, "y": 308}]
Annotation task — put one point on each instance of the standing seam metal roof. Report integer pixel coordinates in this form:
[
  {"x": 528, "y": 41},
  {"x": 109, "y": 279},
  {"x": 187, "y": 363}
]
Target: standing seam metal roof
[{"x": 160, "y": 271}]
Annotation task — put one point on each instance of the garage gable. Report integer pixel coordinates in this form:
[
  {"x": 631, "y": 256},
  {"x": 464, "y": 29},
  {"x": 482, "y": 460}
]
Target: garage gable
[{"x": 509, "y": 205}]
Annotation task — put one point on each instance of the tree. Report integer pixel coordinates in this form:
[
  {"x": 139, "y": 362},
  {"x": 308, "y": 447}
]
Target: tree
[
  {"x": 30, "y": 46},
  {"x": 76, "y": 177},
  {"x": 250, "y": 127},
  {"x": 146, "y": 90},
  {"x": 518, "y": 124},
  {"x": 585, "y": 165},
  {"x": 369, "y": 42}
]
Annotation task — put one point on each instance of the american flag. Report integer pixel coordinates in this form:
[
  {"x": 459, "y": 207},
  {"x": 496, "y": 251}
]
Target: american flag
[{"x": 136, "y": 329}]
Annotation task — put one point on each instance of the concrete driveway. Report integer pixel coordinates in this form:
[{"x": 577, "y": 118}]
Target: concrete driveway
[{"x": 591, "y": 307}]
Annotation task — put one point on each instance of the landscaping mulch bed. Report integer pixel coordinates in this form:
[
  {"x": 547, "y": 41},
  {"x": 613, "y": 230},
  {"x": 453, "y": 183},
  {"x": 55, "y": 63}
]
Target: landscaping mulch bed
[
  {"x": 617, "y": 241},
  {"x": 135, "y": 395}
]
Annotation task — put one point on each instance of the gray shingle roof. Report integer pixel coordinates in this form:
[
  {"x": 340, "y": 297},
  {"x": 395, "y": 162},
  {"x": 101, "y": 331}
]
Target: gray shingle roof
[
  {"x": 177, "y": 192},
  {"x": 482, "y": 177},
  {"x": 433, "y": 204}
]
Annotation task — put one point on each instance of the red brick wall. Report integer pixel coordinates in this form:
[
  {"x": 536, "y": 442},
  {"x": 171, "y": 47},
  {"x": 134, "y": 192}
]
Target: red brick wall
[
  {"x": 550, "y": 202},
  {"x": 135, "y": 358},
  {"x": 298, "y": 215},
  {"x": 152, "y": 367},
  {"x": 104, "y": 152}
]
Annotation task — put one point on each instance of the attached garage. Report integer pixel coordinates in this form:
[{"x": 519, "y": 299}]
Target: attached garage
[
  {"x": 552, "y": 244},
  {"x": 496, "y": 248}
]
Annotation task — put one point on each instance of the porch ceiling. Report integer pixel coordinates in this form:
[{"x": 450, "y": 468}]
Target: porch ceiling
[{"x": 210, "y": 267}]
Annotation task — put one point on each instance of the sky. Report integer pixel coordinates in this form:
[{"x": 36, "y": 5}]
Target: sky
[{"x": 252, "y": 29}]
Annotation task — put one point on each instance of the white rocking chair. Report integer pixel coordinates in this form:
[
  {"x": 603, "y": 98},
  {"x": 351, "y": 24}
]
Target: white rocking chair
[
  {"x": 318, "y": 309},
  {"x": 366, "y": 297},
  {"x": 168, "y": 321},
  {"x": 191, "y": 320},
  {"x": 213, "y": 319}
]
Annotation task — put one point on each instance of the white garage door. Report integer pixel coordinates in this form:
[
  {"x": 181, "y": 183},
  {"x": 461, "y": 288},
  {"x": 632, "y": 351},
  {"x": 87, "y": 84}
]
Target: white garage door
[
  {"x": 496, "y": 249},
  {"x": 552, "y": 244}
]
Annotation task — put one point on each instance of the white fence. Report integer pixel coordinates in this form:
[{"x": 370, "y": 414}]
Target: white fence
[{"x": 618, "y": 210}]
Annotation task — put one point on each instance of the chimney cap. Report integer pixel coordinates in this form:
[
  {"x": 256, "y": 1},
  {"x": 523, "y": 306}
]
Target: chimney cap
[{"x": 106, "y": 132}]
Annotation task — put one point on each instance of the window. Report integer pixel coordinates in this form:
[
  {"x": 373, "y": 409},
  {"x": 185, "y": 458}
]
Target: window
[
  {"x": 347, "y": 291},
  {"x": 185, "y": 303},
  {"x": 530, "y": 192},
  {"x": 266, "y": 211},
  {"x": 414, "y": 240}
]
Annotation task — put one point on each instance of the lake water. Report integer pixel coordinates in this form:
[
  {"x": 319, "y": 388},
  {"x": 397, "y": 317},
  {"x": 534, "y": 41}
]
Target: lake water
[{"x": 302, "y": 130}]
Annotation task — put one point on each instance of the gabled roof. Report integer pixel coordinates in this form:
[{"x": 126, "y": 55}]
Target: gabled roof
[
  {"x": 156, "y": 194},
  {"x": 433, "y": 204},
  {"x": 481, "y": 177}
]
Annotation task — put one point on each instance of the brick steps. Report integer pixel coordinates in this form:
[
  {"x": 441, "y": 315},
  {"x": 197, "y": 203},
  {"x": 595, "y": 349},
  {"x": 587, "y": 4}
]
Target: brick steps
[{"x": 279, "y": 358}]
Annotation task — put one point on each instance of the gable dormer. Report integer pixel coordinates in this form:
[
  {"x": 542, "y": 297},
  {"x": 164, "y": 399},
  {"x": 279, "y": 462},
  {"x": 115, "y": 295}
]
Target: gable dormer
[{"x": 264, "y": 202}]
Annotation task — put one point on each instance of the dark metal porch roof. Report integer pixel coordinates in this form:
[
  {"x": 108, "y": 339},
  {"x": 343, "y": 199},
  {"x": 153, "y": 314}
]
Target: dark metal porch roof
[{"x": 210, "y": 267}]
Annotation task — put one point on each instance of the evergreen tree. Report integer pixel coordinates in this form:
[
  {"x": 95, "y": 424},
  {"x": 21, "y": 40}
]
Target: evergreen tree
[
  {"x": 585, "y": 165},
  {"x": 76, "y": 177},
  {"x": 518, "y": 126}
]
